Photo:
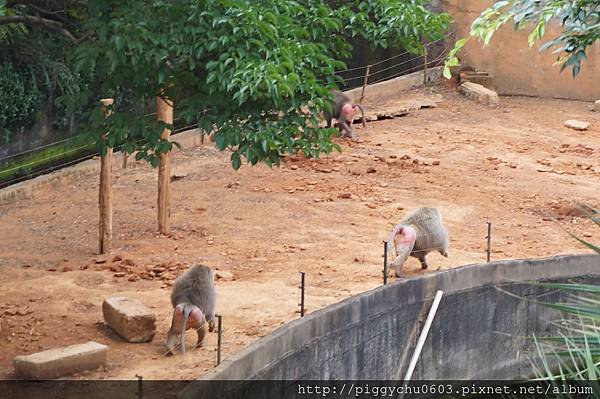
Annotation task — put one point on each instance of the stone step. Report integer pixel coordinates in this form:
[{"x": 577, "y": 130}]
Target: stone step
[{"x": 59, "y": 362}]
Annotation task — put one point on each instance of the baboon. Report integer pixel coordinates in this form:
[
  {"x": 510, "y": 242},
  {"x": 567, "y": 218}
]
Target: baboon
[
  {"x": 344, "y": 111},
  {"x": 193, "y": 299},
  {"x": 416, "y": 235}
]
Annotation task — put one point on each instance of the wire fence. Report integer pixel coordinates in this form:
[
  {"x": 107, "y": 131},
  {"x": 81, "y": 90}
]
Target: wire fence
[
  {"x": 386, "y": 69},
  {"x": 366, "y": 75}
]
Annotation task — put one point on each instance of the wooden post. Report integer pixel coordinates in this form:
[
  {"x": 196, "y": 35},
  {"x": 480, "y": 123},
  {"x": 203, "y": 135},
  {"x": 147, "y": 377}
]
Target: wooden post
[
  {"x": 164, "y": 111},
  {"x": 105, "y": 194},
  {"x": 362, "y": 93},
  {"x": 125, "y": 157}
]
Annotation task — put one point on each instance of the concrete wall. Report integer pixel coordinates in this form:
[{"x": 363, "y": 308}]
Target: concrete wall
[
  {"x": 518, "y": 69},
  {"x": 479, "y": 331}
]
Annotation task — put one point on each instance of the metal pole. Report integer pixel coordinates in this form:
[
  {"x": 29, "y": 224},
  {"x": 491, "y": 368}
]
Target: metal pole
[
  {"x": 489, "y": 240},
  {"x": 385, "y": 265},
  {"x": 140, "y": 387},
  {"x": 362, "y": 93},
  {"x": 302, "y": 285},
  {"x": 423, "y": 336},
  {"x": 219, "y": 337}
]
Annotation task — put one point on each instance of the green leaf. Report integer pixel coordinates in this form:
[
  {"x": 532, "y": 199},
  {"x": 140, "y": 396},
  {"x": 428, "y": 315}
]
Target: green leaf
[{"x": 236, "y": 161}]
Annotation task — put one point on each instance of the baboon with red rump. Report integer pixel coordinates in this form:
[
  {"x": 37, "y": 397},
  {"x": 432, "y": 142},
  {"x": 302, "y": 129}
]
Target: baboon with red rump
[
  {"x": 194, "y": 300},
  {"x": 344, "y": 111},
  {"x": 416, "y": 235}
]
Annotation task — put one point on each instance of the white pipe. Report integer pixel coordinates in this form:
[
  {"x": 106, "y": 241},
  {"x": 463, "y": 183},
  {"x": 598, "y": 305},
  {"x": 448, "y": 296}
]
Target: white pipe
[{"x": 423, "y": 336}]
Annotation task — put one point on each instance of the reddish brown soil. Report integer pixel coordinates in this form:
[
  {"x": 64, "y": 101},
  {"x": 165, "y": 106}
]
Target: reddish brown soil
[{"x": 515, "y": 165}]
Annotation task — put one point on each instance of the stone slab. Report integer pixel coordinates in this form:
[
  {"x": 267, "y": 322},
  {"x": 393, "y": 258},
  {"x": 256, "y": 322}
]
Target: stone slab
[{"x": 59, "y": 362}]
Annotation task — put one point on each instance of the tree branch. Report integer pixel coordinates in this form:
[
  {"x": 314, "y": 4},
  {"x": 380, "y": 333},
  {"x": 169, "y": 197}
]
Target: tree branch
[{"x": 45, "y": 23}]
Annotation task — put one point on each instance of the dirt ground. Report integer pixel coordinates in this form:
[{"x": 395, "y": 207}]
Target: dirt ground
[{"x": 515, "y": 165}]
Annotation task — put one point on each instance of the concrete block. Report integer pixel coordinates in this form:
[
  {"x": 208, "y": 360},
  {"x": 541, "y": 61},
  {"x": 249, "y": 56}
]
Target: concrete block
[
  {"x": 479, "y": 93},
  {"x": 130, "y": 318},
  {"x": 58, "y": 362},
  {"x": 577, "y": 125}
]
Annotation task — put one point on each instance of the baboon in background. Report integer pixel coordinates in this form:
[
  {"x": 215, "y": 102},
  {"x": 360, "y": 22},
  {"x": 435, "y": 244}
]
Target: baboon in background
[{"x": 344, "y": 111}]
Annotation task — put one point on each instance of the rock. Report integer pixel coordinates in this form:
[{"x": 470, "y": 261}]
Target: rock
[
  {"x": 100, "y": 259},
  {"x": 178, "y": 176},
  {"x": 323, "y": 170},
  {"x": 479, "y": 93},
  {"x": 345, "y": 195},
  {"x": 117, "y": 258},
  {"x": 223, "y": 275},
  {"x": 130, "y": 318},
  {"x": 596, "y": 106},
  {"x": 371, "y": 170},
  {"x": 58, "y": 362},
  {"x": 67, "y": 269},
  {"x": 435, "y": 162},
  {"x": 576, "y": 125}
]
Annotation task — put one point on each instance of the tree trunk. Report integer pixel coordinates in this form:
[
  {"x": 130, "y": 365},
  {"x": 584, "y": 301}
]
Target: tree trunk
[
  {"x": 105, "y": 195},
  {"x": 164, "y": 113}
]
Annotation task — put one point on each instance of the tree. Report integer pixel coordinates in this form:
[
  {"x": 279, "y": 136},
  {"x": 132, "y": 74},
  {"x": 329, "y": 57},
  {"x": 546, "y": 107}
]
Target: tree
[
  {"x": 259, "y": 72},
  {"x": 580, "y": 21},
  {"x": 35, "y": 37}
]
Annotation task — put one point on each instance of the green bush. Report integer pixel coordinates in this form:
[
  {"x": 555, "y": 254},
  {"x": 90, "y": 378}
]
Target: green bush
[{"x": 19, "y": 101}]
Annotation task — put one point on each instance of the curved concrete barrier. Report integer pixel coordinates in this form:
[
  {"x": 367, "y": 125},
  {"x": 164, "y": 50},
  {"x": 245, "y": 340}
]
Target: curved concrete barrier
[{"x": 480, "y": 330}]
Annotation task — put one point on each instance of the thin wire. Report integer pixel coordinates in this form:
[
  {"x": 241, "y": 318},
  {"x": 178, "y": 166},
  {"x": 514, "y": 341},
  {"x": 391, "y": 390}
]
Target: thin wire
[
  {"x": 390, "y": 58},
  {"x": 44, "y": 171},
  {"x": 410, "y": 70},
  {"x": 54, "y": 143},
  {"x": 351, "y": 69},
  {"x": 352, "y": 79},
  {"x": 38, "y": 148},
  {"x": 398, "y": 55},
  {"x": 396, "y": 65},
  {"x": 45, "y": 159}
]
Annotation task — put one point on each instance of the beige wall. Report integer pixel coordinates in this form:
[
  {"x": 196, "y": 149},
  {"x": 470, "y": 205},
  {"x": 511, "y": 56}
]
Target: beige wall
[{"x": 518, "y": 69}]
